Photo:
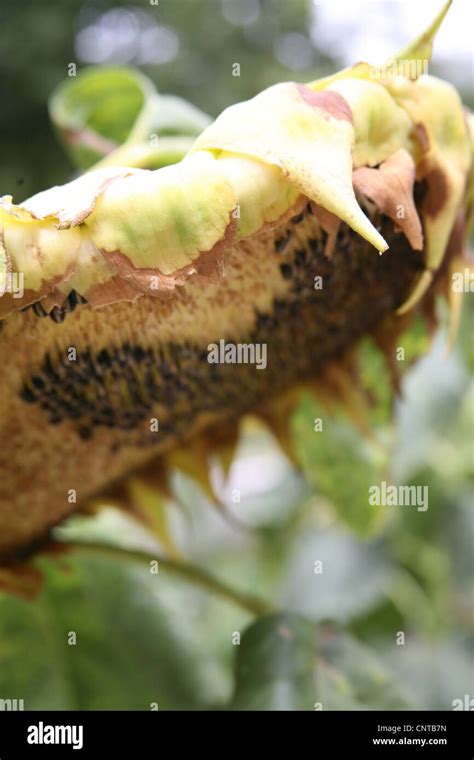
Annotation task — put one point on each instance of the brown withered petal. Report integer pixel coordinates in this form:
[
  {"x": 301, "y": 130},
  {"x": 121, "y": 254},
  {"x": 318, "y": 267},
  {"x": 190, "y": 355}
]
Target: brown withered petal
[{"x": 390, "y": 187}]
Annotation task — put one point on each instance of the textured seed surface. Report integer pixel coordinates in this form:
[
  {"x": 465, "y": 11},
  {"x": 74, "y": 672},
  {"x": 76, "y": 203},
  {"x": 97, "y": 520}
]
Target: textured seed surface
[{"x": 81, "y": 423}]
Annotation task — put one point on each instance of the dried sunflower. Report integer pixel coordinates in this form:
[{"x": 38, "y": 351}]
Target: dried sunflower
[{"x": 138, "y": 306}]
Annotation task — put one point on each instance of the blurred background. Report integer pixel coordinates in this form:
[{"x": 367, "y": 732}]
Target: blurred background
[
  {"x": 187, "y": 47},
  {"x": 378, "y": 603}
]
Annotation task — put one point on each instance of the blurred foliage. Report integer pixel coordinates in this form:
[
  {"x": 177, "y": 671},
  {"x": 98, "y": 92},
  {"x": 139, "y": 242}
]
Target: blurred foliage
[
  {"x": 373, "y": 605},
  {"x": 377, "y": 623},
  {"x": 342, "y": 467},
  {"x": 201, "y": 72},
  {"x": 109, "y": 606},
  {"x": 287, "y": 663},
  {"x": 105, "y": 107}
]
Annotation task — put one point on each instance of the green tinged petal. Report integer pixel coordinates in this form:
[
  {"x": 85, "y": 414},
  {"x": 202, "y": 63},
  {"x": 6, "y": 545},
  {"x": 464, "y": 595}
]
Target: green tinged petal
[
  {"x": 360, "y": 70},
  {"x": 309, "y": 135},
  {"x": 419, "y": 51},
  {"x": 263, "y": 192},
  {"x": 381, "y": 126},
  {"x": 469, "y": 200},
  {"x": 115, "y": 227},
  {"x": 164, "y": 219}
]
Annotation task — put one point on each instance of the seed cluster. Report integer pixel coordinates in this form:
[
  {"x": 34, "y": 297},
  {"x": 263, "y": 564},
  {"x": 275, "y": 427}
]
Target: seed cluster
[
  {"x": 58, "y": 313},
  {"x": 123, "y": 386}
]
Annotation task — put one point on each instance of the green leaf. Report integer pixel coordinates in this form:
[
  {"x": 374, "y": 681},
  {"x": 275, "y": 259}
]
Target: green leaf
[
  {"x": 427, "y": 410},
  {"x": 333, "y": 575},
  {"x": 437, "y": 673},
  {"x": 96, "y": 110},
  {"x": 175, "y": 116},
  {"x": 275, "y": 665},
  {"x": 139, "y": 640},
  {"x": 340, "y": 463},
  {"x": 375, "y": 380},
  {"x": 103, "y": 107},
  {"x": 352, "y": 678},
  {"x": 285, "y": 662}
]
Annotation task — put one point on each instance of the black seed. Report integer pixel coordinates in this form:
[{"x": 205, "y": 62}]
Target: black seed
[
  {"x": 138, "y": 353},
  {"x": 80, "y": 299},
  {"x": 28, "y": 395},
  {"x": 108, "y": 413},
  {"x": 298, "y": 218},
  {"x": 85, "y": 433},
  {"x": 265, "y": 321},
  {"x": 315, "y": 245},
  {"x": 70, "y": 303},
  {"x": 286, "y": 271},
  {"x": 300, "y": 257},
  {"x": 281, "y": 243},
  {"x": 38, "y": 382},
  {"x": 39, "y": 310},
  {"x": 57, "y": 315},
  {"x": 278, "y": 305},
  {"x": 104, "y": 358}
]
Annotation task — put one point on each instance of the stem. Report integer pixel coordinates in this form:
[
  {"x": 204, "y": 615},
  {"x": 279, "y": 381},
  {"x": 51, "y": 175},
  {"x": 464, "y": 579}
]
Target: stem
[{"x": 196, "y": 575}]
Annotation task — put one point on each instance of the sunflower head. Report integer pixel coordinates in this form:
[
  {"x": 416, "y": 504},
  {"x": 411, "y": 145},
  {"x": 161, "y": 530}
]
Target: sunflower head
[{"x": 138, "y": 306}]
